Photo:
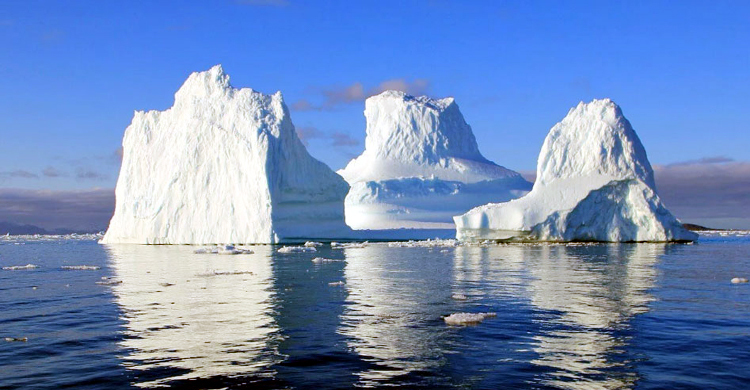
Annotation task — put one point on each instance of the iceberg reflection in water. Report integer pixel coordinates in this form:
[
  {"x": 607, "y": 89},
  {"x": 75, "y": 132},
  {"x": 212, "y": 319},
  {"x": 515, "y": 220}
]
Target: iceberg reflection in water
[
  {"x": 594, "y": 291},
  {"x": 201, "y": 316},
  {"x": 568, "y": 316}
]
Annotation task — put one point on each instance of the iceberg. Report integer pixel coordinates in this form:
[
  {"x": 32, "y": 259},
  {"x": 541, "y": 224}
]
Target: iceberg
[
  {"x": 421, "y": 166},
  {"x": 594, "y": 183},
  {"x": 222, "y": 166}
]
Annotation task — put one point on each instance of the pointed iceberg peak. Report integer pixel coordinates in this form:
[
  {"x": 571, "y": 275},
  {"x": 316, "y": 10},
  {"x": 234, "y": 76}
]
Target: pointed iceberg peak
[
  {"x": 594, "y": 139},
  {"x": 208, "y": 83}
]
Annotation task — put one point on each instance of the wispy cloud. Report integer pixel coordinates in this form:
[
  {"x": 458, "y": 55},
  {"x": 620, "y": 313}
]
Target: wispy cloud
[
  {"x": 89, "y": 174},
  {"x": 306, "y": 133},
  {"x": 84, "y": 210},
  {"x": 52, "y": 172},
  {"x": 703, "y": 161},
  {"x": 342, "y": 139},
  {"x": 336, "y": 139},
  {"x": 19, "y": 174},
  {"x": 334, "y": 97}
]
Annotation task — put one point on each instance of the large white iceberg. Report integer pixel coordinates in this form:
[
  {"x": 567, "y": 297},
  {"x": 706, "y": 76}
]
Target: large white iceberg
[
  {"x": 222, "y": 165},
  {"x": 421, "y": 166},
  {"x": 594, "y": 182}
]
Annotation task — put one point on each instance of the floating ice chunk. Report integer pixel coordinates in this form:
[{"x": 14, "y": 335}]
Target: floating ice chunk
[
  {"x": 106, "y": 281},
  {"x": 337, "y": 284},
  {"x": 436, "y": 243},
  {"x": 223, "y": 250},
  {"x": 459, "y": 297},
  {"x": 20, "y": 267},
  {"x": 739, "y": 280},
  {"x": 313, "y": 244},
  {"x": 321, "y": 260},
  {"x": 462, "y": 319},
  {"x": 345, "y": 245},
  {"x": 80, "y": 267},
  {"x": 296, "y": 249}
]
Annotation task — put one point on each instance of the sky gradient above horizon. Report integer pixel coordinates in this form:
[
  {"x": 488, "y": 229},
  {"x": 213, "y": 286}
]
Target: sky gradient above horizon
[{"x": 74, "y": 72}]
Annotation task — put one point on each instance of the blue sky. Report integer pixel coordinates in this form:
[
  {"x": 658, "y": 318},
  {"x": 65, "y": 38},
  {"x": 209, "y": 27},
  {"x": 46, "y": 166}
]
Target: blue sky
[{"x": 73, "y": 72}]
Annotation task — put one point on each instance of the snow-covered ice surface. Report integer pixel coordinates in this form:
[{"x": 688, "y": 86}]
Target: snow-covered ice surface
[
  {"x": 421, "y": 166},
  {"x": 222, "y": 165},
  {"x": 594, "y": 182}
]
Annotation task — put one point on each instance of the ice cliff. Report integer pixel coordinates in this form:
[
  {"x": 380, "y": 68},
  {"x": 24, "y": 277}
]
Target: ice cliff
[
  {"x": 594, "y": 182},
  {"x": 222, "y": 165},
  {"x": 421, "y": 166}
]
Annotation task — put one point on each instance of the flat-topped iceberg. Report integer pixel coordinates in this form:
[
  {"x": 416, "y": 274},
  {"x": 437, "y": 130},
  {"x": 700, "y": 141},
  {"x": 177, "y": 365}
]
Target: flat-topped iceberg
[
  {"x": 594, "y": 183},
  {"x": 421, "y": 166},
  {"x": 222, "y": 165}
]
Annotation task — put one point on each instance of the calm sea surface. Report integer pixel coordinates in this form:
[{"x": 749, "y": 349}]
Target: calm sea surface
[{"x": 641, "y": 316}]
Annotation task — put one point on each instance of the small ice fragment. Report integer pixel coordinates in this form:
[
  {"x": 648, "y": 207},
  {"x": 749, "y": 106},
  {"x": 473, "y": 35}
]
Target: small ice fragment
[
  {"x": 338, "y": 245},
  {"x": 223, "y": 250},
  {"x": 336, "y": 284},
  {"x": 20, "y": 267},
  {"x": 313, "y": 244},
  {"x": 739, "y": 280},
  {"x": 436, "y": 243},
  {"x": 80, "y": 267},
  {"x": 459, "y": 297},
  {"x": 321, "y": 260},
  {"x": 296, "y": 249},
  {"x": 463, "y": 319},
  {"x": 108, "y": 282}
]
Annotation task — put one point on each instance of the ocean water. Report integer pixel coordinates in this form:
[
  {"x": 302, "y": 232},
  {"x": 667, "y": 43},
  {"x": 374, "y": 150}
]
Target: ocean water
[{"x": 641, "y": 316}]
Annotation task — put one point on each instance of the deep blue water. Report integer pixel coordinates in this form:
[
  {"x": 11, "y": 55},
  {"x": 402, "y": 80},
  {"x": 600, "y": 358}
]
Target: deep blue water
[{"x": 642, "y": 316}]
